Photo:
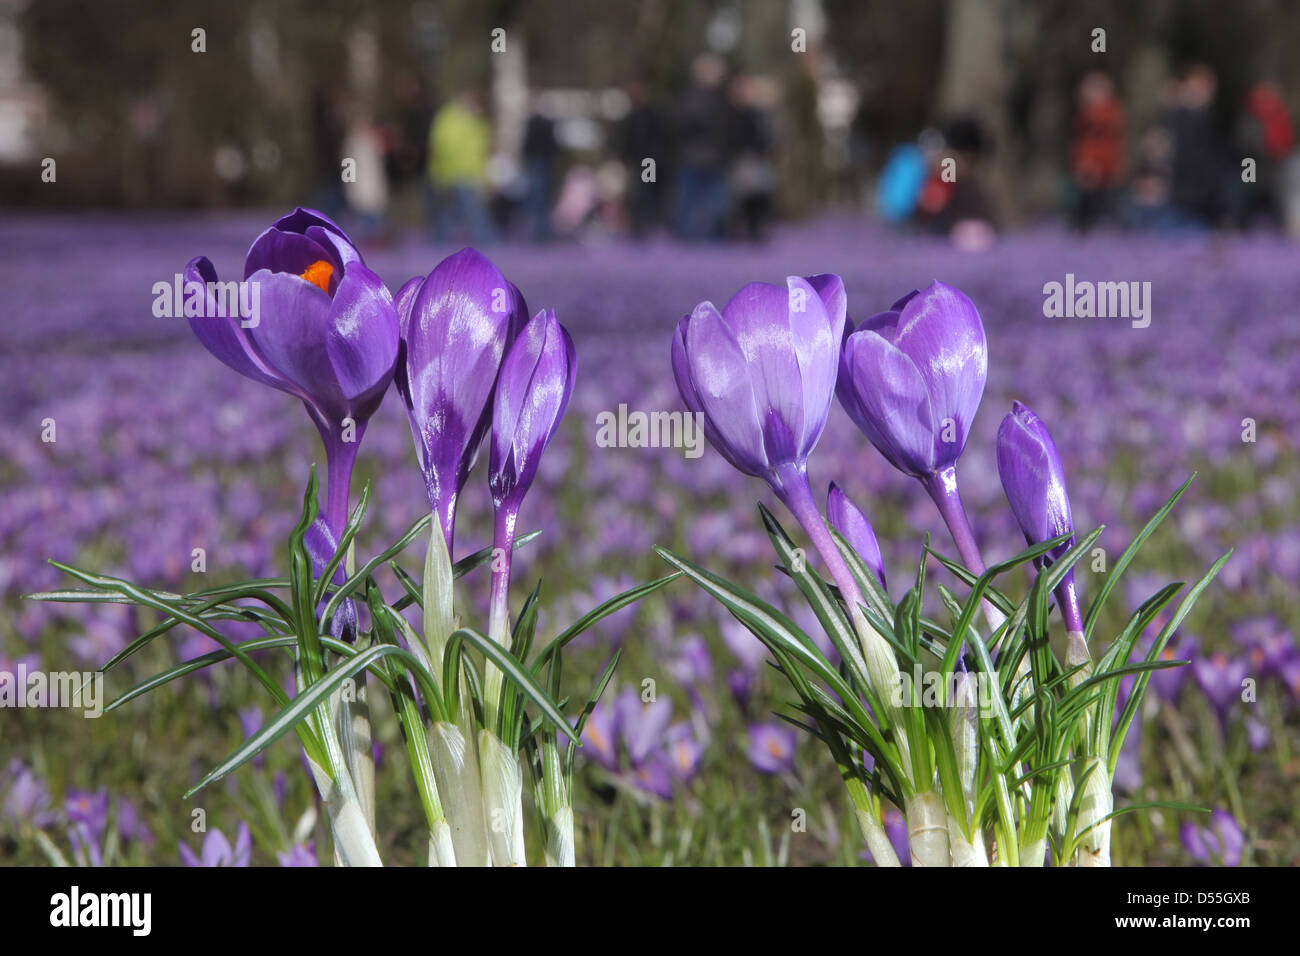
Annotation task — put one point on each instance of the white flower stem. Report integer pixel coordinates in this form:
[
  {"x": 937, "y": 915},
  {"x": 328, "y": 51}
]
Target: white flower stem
[
  {"x": 503, "y": 800},
  {"x": 552, "y": 796},
  {"x": 354, "y": 842},
  {"x": 927, "y": 828},
  {"x": 1097, "y": 801},
  {"x": 1034, "y": 852},
  {"x": 456, "y": 771},
  {"x": 963, "y": 720},
  {"x": 441, "y": 850}
]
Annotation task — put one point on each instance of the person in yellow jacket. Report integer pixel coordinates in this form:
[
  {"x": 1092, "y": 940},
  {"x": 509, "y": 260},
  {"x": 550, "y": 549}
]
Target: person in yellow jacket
[{"x": 460, "y": 143}]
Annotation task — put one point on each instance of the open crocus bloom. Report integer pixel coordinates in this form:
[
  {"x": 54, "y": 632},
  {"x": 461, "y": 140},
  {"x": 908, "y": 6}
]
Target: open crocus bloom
[
  {"x": 912, "y": 378},
  {"x": 762, "y": 371},
  {"x": 324, "y": 329}
]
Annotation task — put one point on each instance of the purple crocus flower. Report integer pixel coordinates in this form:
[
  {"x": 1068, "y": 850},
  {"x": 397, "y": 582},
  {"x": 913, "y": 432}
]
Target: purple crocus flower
[
  {"x": 1220, "y": 677},
  {"x": 912, "y": 378},
  {"x": 1267, "y": 643},
  {"x": 532, "y": 393},
  {"x": 772, "y": 747},
  {"x": 854, "y": 527},
  {"x": 326, "y": 332},
  {"x": 27, "y": 799},
  {"x": 1220, "y": 842},
  {"x": 600, "y": 736},
  {"x": 87, "y": 814},
  {"x": 762, "y": 374},
  {"x": 300, "y": 855},
  {"x": 684, "y": 750},
  {"x": 1034, "y": 482},
  {"x": 217, "y": 850},
  {"x": 456, "y": 325},
  {"x": 129, "y": 824},
  {"x": 1168, "y": 682},
  {"x": 641, "y": 725}
]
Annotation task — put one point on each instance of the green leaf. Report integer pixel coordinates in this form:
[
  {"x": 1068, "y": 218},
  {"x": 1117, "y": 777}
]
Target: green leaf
[
  {"x": 515, "y": 672},
  {"x": 301, "y": 707},
  {"x": 603, "y": 610},
  {"x": 1094, "y": 610}
]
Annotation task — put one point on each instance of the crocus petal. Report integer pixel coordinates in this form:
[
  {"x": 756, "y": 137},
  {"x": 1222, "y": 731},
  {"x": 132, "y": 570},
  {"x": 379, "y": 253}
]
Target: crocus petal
[
  {"x": 1033, "y": 478},
  {"x": 682, "y": 375},
  {"x": 533, "y": 391},
  {"x": 222, "y": 335},
  {"x": 761, "y": 317},
  {"x": 291, "y": 252},
  {"x": 845, "y": 518},
  {"x": 720, "y": 372},
  {"x": 342, "y": 246},
  {"x": 291, "y": 335},
  {"x": 302, "y": 219},
  {"x": 818, "y": 339},
  {"x": 883, "y": 392},
  {"x": 455, "y": 330},
  {"x": 940, "y": 329},
  {"x": 362, "y": 339}
]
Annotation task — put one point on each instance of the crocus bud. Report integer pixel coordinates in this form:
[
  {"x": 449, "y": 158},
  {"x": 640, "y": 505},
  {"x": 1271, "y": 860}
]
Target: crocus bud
[
  {"x": 1034, "y": 483},
  {"x": 532, "y": 392},
  {"x": 762, "y": 371},
  {"x": 853, "y": 526},
  {"x": 912, "y": 378},
  {"x": 456, "y": 325}
]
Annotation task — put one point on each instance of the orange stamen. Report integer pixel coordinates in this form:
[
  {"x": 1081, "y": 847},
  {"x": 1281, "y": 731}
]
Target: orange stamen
[{"x": 319, "y": 274}]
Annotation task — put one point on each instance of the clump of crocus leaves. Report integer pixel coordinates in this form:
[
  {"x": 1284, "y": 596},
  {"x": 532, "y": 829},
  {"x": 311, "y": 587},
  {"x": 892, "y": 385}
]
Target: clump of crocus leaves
[
  {"x": 469, "y": 365},
  {"x": 993, "y": 745}
]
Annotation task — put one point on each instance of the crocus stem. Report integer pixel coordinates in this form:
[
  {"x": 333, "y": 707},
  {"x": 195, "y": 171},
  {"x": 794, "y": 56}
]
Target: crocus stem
[
  {"x": 503, "y": 545},
  {"x": 873, "y": 832},
  {"x": 963, "y": 722},
  {"x": 1096, "y": 802},
  {"x": 340, "y": 460},
  {"x": 942, "y": 488},
  {"x": 791, "y": 484},
  {"x": 1034, "y": 853},
  {"x": 553, "y": 798},
  {"x": 503, "y": 800},
  {"x": 927, "y": 828},
  {"x": 354, "y": 841}
]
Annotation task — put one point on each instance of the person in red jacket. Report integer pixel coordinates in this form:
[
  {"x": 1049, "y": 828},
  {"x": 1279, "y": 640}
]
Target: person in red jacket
[{"x": 1096, "y": 149}]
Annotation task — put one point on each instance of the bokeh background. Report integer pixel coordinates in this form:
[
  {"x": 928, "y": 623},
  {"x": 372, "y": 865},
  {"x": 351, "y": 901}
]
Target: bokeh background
[{"x": 997, "y": 145}]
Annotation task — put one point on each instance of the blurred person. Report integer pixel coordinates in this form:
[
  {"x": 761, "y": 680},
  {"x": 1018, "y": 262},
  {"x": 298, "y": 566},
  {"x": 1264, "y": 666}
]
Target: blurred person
[
  {"x": 1198, "y": 168},
  {"x": 1264, "y": 134},
  {"x": 643, "y": 135},
  {"x": 753, "y": 174},
  {"x": 578, "y": 200},
  {"x": 540, "y": 149},
  {"x": 406, "y": 138},
  {"x": 956, "y": 205},
  {"x": 704, "y": 155},
  {"x": 901, "y": 180},
  {"x": 366, "y": 194},
  {"x": 1148, "y": 202},
  {"x": 328, "y": 127},
  {"x": 1096, "y": 150},
  {"x": 460, "y": 145}
]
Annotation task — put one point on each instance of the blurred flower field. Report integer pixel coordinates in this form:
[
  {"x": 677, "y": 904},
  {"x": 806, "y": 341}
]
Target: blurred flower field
[{"x": 159, "y": 450}]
